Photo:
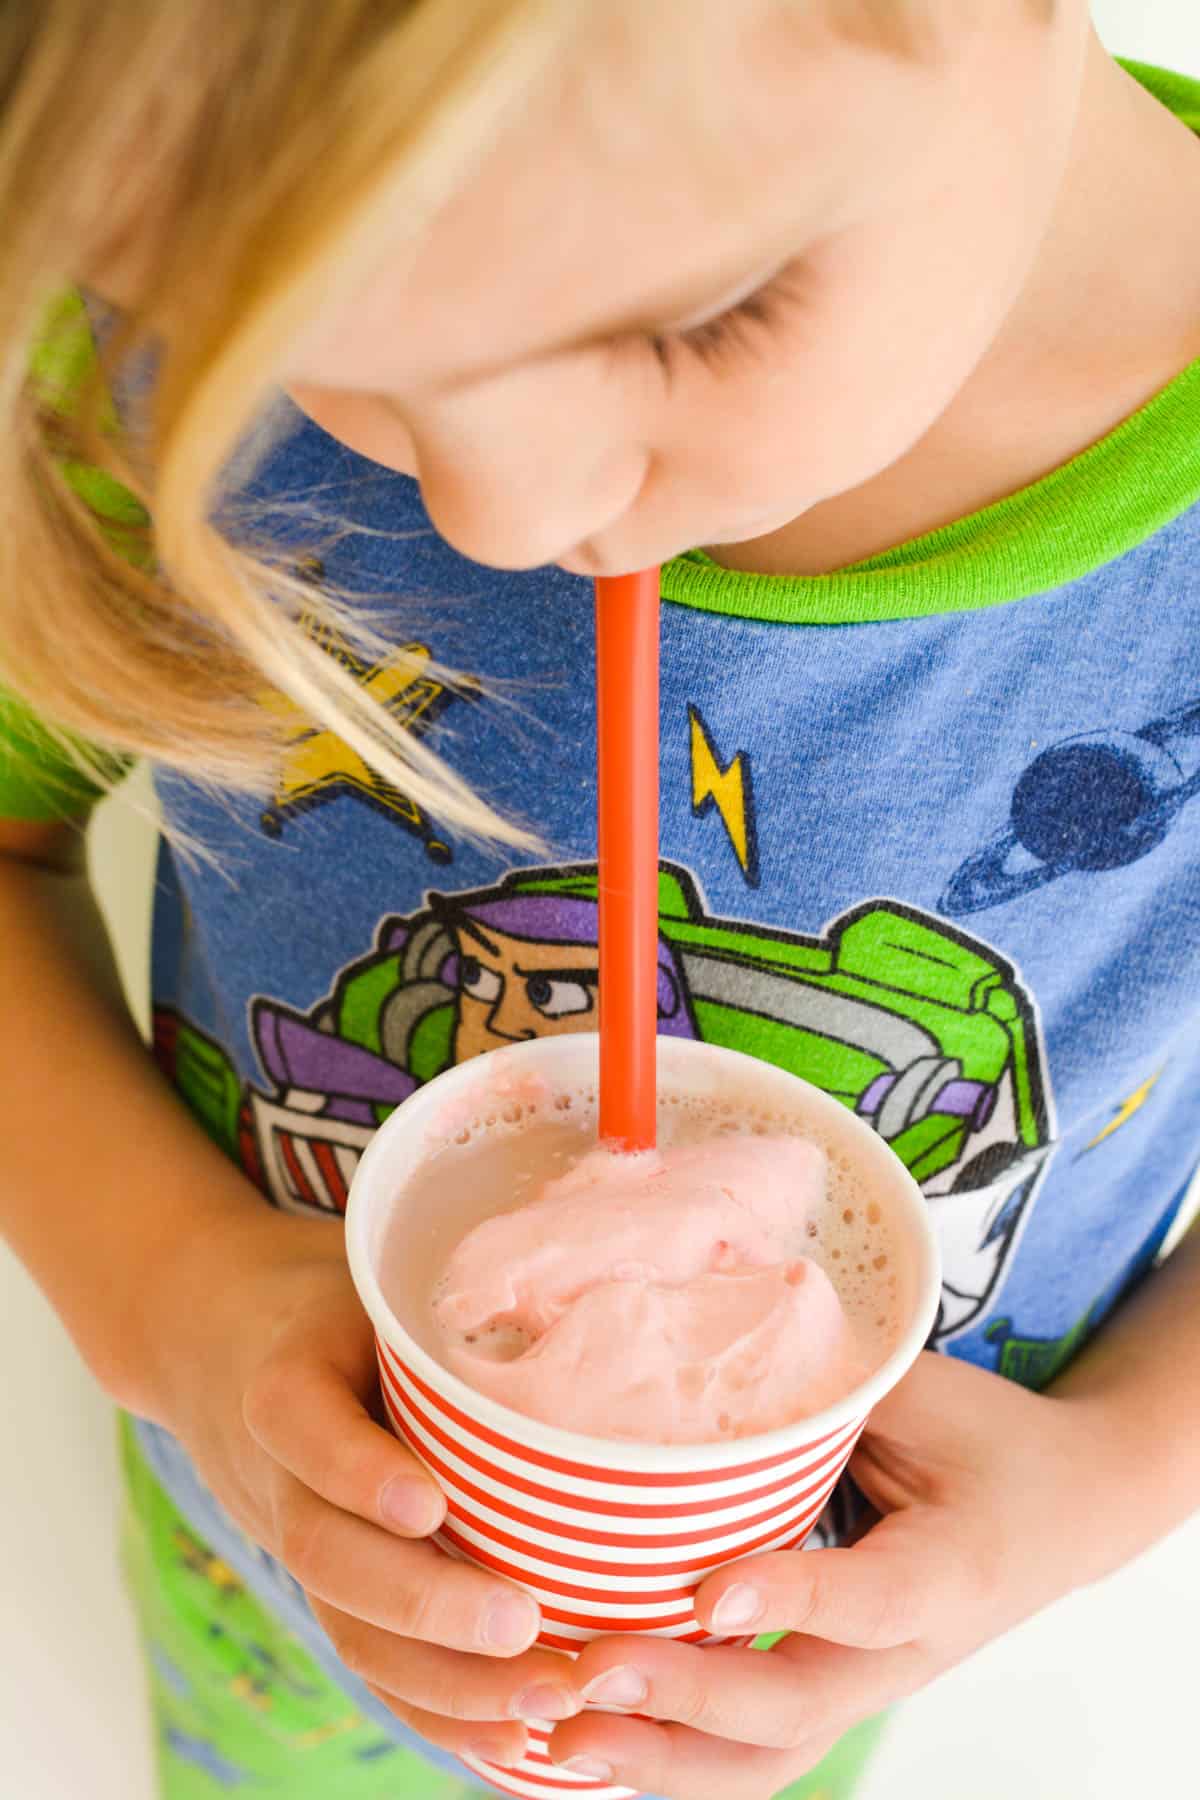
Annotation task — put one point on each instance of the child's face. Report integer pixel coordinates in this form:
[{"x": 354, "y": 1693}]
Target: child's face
[{"x": 901, "y": 199}]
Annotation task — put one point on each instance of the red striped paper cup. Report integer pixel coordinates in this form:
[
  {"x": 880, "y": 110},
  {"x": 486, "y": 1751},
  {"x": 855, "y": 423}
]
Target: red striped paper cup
[{"x": 611, "y": 1535}]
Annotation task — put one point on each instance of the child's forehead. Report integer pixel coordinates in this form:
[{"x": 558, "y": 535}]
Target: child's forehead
[{"x": 645, "y": 173}]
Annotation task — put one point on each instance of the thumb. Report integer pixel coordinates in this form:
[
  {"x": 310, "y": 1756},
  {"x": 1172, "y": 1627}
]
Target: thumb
[
  {"x": 306, "y": 1415},
  {"x": 895, "y": 1583}
]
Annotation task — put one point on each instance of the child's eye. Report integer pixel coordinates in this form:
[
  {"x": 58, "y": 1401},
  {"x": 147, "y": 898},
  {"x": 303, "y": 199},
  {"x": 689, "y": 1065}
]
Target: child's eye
[{"x": 743, "y": 327}]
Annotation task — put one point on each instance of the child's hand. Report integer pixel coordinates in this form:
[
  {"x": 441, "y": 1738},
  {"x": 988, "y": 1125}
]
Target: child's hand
[
  {"x": 265, "y": 1369},
  {"x": 993, "y": 1504}
]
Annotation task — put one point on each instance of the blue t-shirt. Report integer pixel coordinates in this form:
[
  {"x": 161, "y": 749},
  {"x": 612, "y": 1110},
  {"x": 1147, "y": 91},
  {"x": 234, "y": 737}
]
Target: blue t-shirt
[
  {"x": 943, "y": 865},
  {"x": 938, "y": 857}
]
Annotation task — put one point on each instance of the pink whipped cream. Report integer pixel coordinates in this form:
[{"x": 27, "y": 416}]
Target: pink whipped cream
[{"x": 664, "y": 1297}]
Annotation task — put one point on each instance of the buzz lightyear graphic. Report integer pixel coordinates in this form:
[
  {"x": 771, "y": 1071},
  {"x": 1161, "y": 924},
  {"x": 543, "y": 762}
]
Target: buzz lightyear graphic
[{"x": 922, "y": 1030}]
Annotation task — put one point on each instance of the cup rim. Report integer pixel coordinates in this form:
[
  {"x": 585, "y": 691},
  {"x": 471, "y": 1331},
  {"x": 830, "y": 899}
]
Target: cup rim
[{"x": 633, "y": 1454}]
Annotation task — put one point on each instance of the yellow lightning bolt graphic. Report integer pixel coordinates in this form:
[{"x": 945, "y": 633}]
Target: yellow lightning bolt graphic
[
  {"x": 1124, "y": 1112},
  {"x": 728, "y": 790}
]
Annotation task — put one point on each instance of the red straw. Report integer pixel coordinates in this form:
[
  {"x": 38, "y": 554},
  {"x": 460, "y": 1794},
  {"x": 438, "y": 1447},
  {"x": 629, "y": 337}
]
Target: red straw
[{"x": 627, "y": 752}]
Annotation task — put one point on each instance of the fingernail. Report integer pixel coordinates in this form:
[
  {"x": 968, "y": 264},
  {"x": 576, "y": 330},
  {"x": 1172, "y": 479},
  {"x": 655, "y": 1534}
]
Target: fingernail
[
  {"x": 625, "y": 1686},
  {"x": 738, "y": 1607},
  {"x": 511, "y": 1622},
  {"x": 544, "y": 1701},
  {"x": 591, "y": 1766},
  {"x": 410, "y": 1505}
]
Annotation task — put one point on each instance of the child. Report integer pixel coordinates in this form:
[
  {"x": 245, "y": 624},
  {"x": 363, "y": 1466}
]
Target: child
[{"x": 895, "y": 310}]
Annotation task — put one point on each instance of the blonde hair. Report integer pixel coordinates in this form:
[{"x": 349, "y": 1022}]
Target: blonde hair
[
  {"x": 256, "y": 152},
  {"x": 240, "y": 159}
]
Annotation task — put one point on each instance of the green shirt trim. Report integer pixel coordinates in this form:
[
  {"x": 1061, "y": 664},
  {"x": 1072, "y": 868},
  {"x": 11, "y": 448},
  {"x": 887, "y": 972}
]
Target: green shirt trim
[
  {"x": 1095, "y": 508},
  {"x": 38, "y": 780}
]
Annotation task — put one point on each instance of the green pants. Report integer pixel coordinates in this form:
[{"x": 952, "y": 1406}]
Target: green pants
[{"x": 238, "y": 1702}]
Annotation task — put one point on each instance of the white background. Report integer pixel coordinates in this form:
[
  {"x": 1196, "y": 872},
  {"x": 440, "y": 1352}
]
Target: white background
[{"x": 1089, "y": 1702}]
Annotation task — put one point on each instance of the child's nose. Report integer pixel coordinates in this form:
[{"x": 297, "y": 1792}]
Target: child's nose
[
  {"x": 517, "y": 485},
  {"x": 528, "y": 513}
]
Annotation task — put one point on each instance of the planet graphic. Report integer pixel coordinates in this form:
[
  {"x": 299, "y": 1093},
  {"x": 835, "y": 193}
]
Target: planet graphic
[{"x": 1091, "y": 803}]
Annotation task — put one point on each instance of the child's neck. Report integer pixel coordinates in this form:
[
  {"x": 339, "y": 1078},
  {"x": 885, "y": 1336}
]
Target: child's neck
[{"x": 1110, "y": 315}]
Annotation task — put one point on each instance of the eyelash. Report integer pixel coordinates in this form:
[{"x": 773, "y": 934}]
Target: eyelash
[{"x": 731, "y": 331}]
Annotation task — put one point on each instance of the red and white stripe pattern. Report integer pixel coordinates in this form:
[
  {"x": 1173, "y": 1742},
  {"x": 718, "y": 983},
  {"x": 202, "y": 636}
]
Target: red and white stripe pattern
[
  {"x": 602, "y": 1548},
  {"x": 307, "y": 1161},
  {"x": 537, "y": 1778}
]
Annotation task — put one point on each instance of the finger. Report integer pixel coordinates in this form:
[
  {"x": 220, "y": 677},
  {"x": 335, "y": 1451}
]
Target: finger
[
  {"x": 738, "y": 1694},
  {"x": 801, "y": 1690},
  {"x": 897, "y": 1583},
  {"x": 840, "y": 1686},
  {"x": 670, "y": 1759},
  {"x": 412, "y": 1589},
  {"x": 500, "y": 1743},
  {"x": 313, "y": 1423},
  {"x": 536, "y": 1686}
]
